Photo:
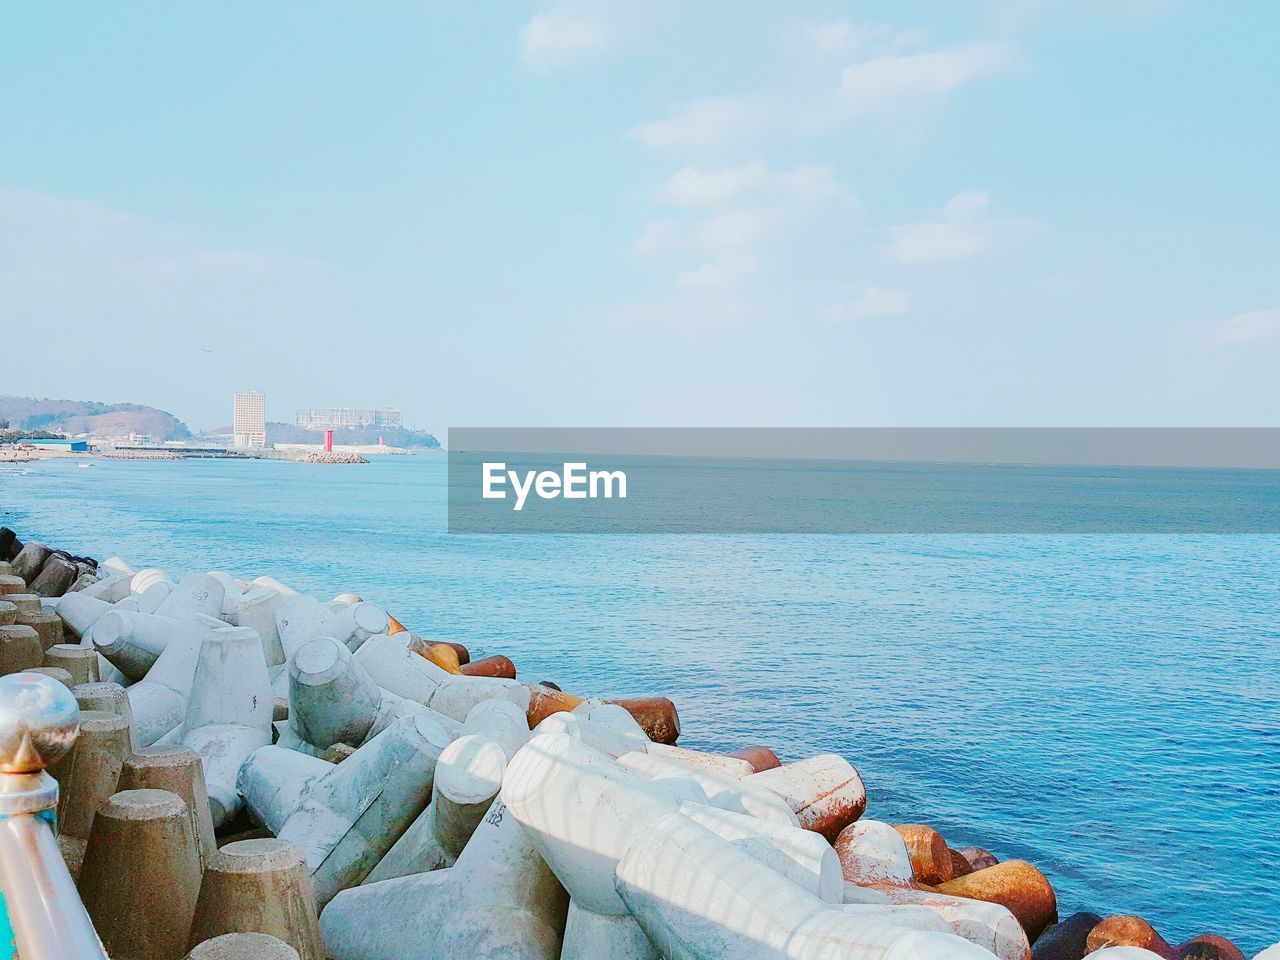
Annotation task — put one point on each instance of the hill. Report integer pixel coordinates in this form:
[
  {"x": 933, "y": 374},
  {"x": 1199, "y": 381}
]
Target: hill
[{"x": 74, "y": 417}]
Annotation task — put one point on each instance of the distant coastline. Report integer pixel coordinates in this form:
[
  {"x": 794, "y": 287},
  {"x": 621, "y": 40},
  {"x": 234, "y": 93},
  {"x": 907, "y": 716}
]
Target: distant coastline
[{"x": 117, "y": 425}]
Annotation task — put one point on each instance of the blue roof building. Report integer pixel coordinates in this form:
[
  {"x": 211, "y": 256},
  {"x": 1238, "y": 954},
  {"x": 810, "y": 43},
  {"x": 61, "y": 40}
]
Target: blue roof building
[{"x": 57, "y": 443}]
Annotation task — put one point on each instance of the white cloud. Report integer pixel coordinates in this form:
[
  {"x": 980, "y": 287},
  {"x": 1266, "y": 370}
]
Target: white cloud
[
  {"x": 706, "y": 123},
  {"x": 1249, "y": 327},
  {"x": 660, "y": 236},
  {"x": 844, "y": 37},
  {"x": 871, "y": 302},
  {"x": 703, "y": 187},
  {"x": 884, "y": 84},
  {"x": 557, "y": 39},
  {"x": 963, "y": 230},
  {"x": 96, "y": 240},
  {"x": 736, "y": 220},
  {"x": 726, "y": 270}
]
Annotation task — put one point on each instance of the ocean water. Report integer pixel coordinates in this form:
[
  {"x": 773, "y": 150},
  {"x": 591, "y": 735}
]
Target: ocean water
[{"x": 1105, "y": 706}]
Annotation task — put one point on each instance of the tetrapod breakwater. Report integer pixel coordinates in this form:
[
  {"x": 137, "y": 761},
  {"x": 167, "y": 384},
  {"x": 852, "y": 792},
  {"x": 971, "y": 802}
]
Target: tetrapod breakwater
[{"x": 263, "y": 773}]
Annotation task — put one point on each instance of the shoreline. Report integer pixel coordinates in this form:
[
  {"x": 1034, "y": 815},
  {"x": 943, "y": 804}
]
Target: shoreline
[{"x": 933, "y": 868}]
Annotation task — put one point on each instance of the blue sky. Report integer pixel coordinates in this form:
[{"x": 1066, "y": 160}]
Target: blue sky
[{"x": 594, "y": 213}]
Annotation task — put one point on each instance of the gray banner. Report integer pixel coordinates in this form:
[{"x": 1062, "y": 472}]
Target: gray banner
[{"x": 860, "y": 480}]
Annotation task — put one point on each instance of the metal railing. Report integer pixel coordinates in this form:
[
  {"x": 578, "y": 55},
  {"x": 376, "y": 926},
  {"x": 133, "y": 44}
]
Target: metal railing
[{"x": 41, "y": 914}]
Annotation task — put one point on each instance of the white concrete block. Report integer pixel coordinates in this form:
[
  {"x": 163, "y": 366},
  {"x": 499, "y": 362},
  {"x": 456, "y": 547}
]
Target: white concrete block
[
  {"x": 196, "y": 595},
  {"x": 349, "y": 819},
  {"x": 722, "y": 791},
  {"x": 468, "y": 777},
  {"x": 700, "y": 898},
  {"x": 274, "y": 780},
  {"x": 500, "y": 900},
  {"x": 159, "y": 700},
  {"x": 332, "y": 698},
  {"x": 228, "y": 713}
]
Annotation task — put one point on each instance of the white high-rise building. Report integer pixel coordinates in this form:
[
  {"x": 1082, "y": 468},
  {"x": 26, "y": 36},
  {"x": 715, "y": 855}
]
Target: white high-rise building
[
  {"x": 337, "y": 418},
  {"x": 249, "y": 425}
]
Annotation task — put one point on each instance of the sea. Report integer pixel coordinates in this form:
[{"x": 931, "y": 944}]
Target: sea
[{"x": 1105, "y": 706}]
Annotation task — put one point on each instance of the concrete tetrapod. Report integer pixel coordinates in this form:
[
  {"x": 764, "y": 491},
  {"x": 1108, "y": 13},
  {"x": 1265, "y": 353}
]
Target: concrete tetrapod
[
  {"x": 133, "y": 641},
  {"x": 87, "y": 775},
  {"x": 825, "y": 792},
  {"x": 602, "y": 737},
  {"x": 198, "y": 594},
  {"x": 1015, "y": 884},
  {"x": 987, "y": 925},
  {"x": 499, "y": 900},
  {"x": 274, "y": 781},
  {"x": 801, "y": 856},
  {"x": 19, "y": 649},
  {"x": 332, "y": 699},
  {"x": 179, "y": 771},
  {"x": 501, "y": 721},
  {"x": 228, "y": 713},
  {"x": 243, "y": 946},
  {"x": 760, "y": 758},
  {"x": 1067, "y": 939},
  {"x": 355, "y": 623},
  {"x": 275, "y": 585},
  {"x": 159, "y": 700},
  {"x": 112, "y": 585},
  {"x": 351, "y": 817},
  {"x": 55, "y": 577},
  {"x": 1209, "y": 946},
  {"x": 259, "y": 886},
  {"x": 27, "y": 604},
  {"x": 148, "y": 589},
  {"x": 797, "y": 855},
  {"x": 699, "y": 898},
  {"x": 468, "y": 776},
  {"x": 29, "y": 560},
  {"x": 300, "y": 618},
  {"x": 582, "y": 810},
  {"x": 728, "y": 766},
  {"x": 8, "y": 613},
  {"x": 105, "y": 696},
  {"x": 257, "y": 609},
  {"x": 48, "y": 625},
  {"x": 930, "y": 855},
  {"x": 1124, "y": 930},
  {"x": 878, "y": 868},
  {"x": 390, "y": 709},
  {"x": 873, "y": 853},
  {"x": 59, "y": 674},
  {"x": 141, "y": 875},
  {"x": 976, "y": 858},
  {"x": 80, "y": 662},
  {"x": 722, "y": 791},
  {"x": 394, "y": 667},
  {"x": 494, "y": 666}
]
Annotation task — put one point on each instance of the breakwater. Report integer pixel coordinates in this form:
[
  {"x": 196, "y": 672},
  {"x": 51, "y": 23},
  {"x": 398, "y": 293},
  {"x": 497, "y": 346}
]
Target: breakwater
[{"x": 584, "y": 757}]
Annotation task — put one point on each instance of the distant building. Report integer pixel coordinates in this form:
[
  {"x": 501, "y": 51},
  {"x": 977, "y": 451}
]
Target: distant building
[
  {"x": 249, "y": 424},
  {"x": 75, "y": 446},
  {"x": 338, "y": 418}
]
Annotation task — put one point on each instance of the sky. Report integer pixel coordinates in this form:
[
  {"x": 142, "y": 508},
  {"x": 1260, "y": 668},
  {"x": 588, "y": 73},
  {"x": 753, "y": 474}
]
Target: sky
[{"x": 594, "y": 213}]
